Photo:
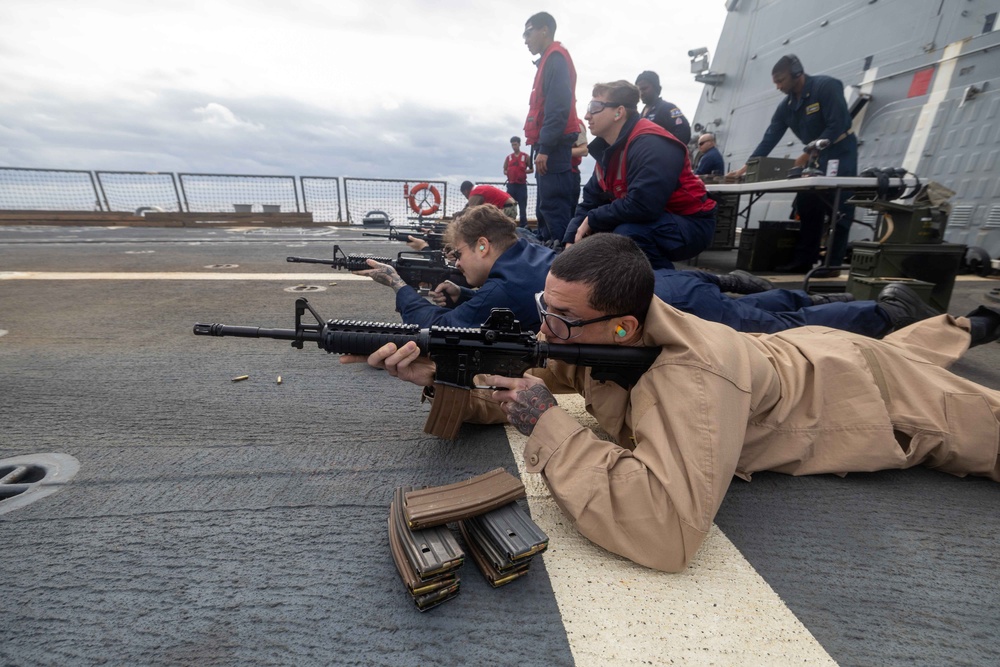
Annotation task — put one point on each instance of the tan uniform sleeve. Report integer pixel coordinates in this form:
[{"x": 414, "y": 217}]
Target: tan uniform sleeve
[{"x": 654, "y": 504}]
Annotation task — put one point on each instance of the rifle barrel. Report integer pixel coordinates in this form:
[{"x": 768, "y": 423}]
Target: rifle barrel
[
  {"x": 253, "y": 332},
  {"x": 360, "y": 338}
]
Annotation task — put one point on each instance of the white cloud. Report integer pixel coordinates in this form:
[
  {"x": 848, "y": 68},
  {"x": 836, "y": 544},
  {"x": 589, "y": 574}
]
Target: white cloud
[
  {"x": 384, "y": 88},
  {"x": 217, "y": 115}
]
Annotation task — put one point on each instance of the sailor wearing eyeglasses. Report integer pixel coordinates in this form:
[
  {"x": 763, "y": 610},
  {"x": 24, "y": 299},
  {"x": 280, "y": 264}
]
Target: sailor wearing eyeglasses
[
  {"x": 486, "y": 248},
  {"x": 642, "y": 186}
]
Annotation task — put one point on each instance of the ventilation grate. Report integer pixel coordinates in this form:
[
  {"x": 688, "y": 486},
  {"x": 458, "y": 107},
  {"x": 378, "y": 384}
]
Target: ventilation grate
[
  {"x": 993, "y": 219},
  {"x": 960, "y": 216}
]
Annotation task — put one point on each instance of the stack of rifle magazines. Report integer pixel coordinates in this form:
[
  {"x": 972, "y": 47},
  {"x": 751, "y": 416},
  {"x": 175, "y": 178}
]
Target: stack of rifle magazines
[
  {"x": 500, "y": 535},
  {"x": 427, "y": 559},
  {"x": 503, "y": 542}
]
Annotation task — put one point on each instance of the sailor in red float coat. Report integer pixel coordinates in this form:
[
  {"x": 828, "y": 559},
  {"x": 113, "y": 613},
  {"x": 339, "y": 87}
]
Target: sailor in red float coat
[
  {"x": 689, "y": 198},
  {"x": 551, "y": 127},
  {"x": 643, "y": 186}
]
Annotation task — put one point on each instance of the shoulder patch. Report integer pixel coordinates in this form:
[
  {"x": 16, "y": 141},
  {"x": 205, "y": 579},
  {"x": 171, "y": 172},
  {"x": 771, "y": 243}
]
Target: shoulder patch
[
  {"x": 812, "y": 108},
  {"x": 676, "y": 113}
]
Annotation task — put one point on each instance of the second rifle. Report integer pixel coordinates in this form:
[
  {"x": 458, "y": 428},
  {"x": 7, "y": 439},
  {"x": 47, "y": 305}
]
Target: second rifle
[
  {"x": 420, "y": 269},
  {"x": 434, "y": 240}
]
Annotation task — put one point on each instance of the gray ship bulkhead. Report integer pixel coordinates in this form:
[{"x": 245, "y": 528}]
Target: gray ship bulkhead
[{"x": 930, "y": 68}]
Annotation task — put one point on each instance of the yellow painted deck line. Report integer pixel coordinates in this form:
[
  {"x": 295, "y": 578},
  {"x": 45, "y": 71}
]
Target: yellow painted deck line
[
  {"x": 221, "y": 274},
  {"x": 718, "y": 612}
]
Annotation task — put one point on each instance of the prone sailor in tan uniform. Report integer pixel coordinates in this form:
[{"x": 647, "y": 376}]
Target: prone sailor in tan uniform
[{"x": 717, "y": 403}]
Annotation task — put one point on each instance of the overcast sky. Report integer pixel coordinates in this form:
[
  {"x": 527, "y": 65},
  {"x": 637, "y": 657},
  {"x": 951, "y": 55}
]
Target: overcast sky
[{"x": 376, "y": 88}]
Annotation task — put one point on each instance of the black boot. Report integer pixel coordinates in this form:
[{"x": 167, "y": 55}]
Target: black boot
[
  {"x": 835, "y": 297},
  {"x": 985, "y": 325},
  {"x": 823, "y": 272},
  {"x": 902, "y": 305},
  {"x": 741, "y": 282}
]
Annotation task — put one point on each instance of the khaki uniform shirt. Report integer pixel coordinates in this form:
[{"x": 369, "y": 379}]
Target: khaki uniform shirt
[{"x": 717, "y": 403}]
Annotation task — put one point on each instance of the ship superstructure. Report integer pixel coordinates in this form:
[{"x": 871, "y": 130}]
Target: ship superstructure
[{"x": 922, "y": 78}]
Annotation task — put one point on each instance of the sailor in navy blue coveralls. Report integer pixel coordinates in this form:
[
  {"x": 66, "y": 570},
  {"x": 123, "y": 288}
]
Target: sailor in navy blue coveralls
[
  {"x": 819, "y": 111},
  {"x": 766, "y": 312},
  {"x": 520, "y": 272},
  {"x": 513, "y": 280}
]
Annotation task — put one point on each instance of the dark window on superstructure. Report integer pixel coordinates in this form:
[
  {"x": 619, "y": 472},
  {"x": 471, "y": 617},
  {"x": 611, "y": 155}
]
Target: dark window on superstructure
[
  {"x": 868, "y": 64},
  {"x": 991, "y": 20}
]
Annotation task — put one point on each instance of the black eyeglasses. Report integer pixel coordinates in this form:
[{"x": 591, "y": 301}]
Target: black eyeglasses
[
  {"x": 597, "y": 106},
  {"x": 559, "y": 326},
  {"x": 455, "y": 253},
  {"x": 702, "y": 143}
]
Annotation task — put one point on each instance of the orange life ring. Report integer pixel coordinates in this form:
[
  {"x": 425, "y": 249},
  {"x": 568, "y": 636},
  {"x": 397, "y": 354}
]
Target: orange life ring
[{"x": 420, "y": 187}]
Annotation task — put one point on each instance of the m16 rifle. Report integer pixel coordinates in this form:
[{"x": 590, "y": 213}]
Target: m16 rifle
[
  {"x": 434, "y": 240},
  {"x": 497, "y": 347},
  {"x": 417, "y": 268},
  {"x": 434, "y": 227}
]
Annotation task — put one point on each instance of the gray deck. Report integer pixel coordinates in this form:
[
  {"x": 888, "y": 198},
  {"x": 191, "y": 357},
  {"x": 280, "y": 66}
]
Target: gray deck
[{"x": 224, "y": 523}]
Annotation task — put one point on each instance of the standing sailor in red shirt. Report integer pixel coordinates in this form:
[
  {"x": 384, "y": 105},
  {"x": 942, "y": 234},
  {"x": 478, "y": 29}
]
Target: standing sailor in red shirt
[
  {"x": 487, "y": 194},
  {"x": 516, "y": 168}
]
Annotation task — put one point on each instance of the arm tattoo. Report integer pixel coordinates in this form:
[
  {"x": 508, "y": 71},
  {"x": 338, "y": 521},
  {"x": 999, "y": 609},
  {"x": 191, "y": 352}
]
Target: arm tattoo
[
  {"x": 529, "y": 406},
  {"x": 387, "y": 276}
]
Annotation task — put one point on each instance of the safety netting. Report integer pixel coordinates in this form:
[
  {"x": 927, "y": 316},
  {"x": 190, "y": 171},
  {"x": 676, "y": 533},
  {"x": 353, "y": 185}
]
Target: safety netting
[
  {"x": 228, "y": 193},
  {"x": 321, "y": 197},
  {"x": 402, "y": 202},
  {"x": 135, "y": 191},
  {"x": 24, "y": 189}
]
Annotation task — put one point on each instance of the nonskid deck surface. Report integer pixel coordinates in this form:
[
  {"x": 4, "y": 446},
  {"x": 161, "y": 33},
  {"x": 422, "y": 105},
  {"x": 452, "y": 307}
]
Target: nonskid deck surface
[{"x": 244, "y": 523}]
